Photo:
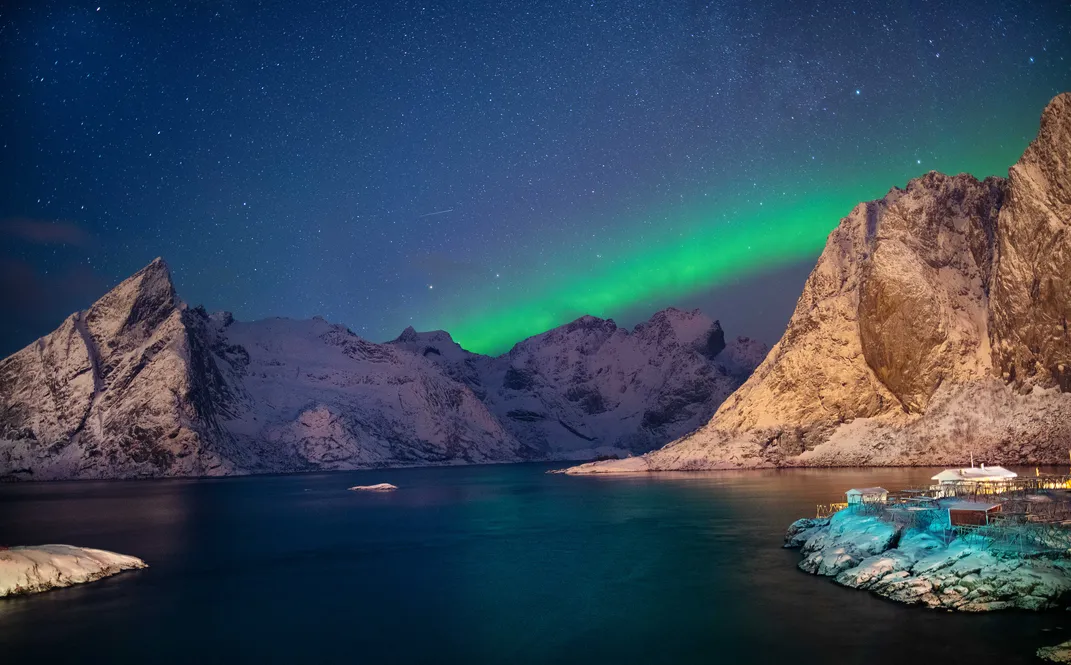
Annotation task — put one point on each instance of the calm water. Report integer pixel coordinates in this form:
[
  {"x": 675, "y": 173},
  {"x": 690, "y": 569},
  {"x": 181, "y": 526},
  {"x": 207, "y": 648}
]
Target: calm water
[{"x": 471, "y": 565}]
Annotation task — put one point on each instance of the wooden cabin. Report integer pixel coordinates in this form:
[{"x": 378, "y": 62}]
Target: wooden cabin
[
  {"x": 867, "y": 495},
  {"x": 971, "y": 513}
]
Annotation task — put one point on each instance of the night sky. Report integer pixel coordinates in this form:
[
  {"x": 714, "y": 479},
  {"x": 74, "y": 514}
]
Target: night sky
[{"x": 489, "y": 168}]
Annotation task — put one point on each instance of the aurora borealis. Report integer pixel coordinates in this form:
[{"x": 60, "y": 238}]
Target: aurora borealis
[
  {"x": 492, "y": 169},
  {"x": 718, "y": 244}
]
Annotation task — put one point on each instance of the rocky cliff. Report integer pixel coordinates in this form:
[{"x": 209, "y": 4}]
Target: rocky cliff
[
  {"x": 592, "y": 388},
  {"x": 933, "y": 326},
  {"x": 113, "y": 392}
]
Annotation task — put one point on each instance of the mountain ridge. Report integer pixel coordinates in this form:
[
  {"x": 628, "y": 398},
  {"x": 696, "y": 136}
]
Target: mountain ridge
[
  {"x": 141, "y": 385},
  {"x": 620, "y": 389}
]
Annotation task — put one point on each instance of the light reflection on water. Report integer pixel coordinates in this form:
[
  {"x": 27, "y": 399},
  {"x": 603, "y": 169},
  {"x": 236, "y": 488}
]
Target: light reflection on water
[{"x": 476, "y": 564}]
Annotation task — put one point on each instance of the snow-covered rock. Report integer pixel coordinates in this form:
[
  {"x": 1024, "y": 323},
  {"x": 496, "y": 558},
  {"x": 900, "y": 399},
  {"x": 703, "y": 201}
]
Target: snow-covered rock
[
  {"x": 313, "y": 395},
  {"x": 379, "y": 487},
  {"x": 591, "y": 388},
  {"x": 802, "y": 529},
  {"x": 33, "y": 569},
  {"x": 843, "y": 542},
  {"x": 920, "y": 566},
  {"x": 935, "y": 322},
  {"x": 125, "y": 388}
]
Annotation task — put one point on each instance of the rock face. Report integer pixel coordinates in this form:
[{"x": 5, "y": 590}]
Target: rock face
[
  {"x": 933, "y": 325},
  {"x": 25, "y": 570},
  {"x": 918, "y": 566},
  {"x": 592, "y": 388},
  {"x": 140, "y": 385},
  {"x": 1031, "y": 286},
  {"x": 118, "y": 389}
]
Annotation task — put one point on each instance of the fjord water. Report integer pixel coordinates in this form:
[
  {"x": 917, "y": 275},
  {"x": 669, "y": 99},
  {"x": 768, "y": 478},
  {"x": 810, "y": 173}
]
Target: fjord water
[{"x": 489, "y": 564}]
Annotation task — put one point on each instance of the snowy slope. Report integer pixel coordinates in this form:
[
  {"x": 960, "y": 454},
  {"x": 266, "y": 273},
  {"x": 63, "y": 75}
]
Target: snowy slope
[
  {"x": 317, "y": 396},
  {"x": 592, "y": 388}
]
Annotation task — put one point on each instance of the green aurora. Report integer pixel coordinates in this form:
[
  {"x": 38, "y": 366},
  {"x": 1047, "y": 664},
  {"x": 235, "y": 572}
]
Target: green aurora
[{"x": 709, "y": 245}]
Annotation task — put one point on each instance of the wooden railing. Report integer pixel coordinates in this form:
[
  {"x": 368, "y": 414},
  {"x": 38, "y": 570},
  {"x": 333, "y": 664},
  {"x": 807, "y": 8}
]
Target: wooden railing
[
  {"x": 827, "y": 509},
  {"x": 970, "y": 489}
]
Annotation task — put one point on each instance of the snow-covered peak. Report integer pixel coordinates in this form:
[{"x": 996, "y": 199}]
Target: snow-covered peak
[
  {"x": 411, "y": 336},
  {"x": 140, "y": 302},
  {"x": 408, "y": 336},
  {"x": 691, "y": 329},
  {"x": 436, "y": 345}
]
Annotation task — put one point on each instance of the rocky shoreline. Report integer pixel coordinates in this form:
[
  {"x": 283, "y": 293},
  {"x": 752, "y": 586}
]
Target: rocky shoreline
[{"x": 926, "y": 566}]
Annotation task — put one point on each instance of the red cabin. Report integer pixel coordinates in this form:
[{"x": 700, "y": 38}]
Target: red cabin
[{"x": 971, "y": 513}]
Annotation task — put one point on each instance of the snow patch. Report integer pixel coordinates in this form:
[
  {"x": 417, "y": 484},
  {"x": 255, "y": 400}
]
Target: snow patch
[{"x": 26, "y": 570}]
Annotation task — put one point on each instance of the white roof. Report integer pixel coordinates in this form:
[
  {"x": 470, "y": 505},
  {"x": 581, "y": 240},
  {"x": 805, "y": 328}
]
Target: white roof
[
  {"x": 867, "y": 490},
  {"x": 980, "y": 473}
]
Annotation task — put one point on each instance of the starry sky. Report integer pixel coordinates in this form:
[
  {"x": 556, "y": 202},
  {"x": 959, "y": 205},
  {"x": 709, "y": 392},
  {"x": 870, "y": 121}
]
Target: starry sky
[{"x": 488, "y": 168}]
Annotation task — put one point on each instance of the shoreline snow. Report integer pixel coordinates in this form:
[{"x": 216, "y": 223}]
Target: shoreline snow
[
  {"x": 380, "y": 487},
  {"x": 26, "y": 570}
]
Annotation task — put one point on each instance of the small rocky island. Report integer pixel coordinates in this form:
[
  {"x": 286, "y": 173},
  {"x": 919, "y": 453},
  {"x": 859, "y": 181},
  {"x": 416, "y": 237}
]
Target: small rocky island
[
  {"x": 967, "y": 547},
  {"x": 922, "y": 566},
  {"x": 25, "y": 570},
  {"x": 379, "y": 487}
]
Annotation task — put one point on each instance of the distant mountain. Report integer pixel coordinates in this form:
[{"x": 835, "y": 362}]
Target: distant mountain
[
  {"x": 934, "y": 326},
  {"x": 140, "y": 385},
  {"x": 591, "y": 388}
]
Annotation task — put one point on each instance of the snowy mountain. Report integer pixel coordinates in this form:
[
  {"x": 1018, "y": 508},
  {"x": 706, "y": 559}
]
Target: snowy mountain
[
  {"x": 113, "y": 392},
  {"x": 142, "y": 385},
  {"x": 590, "y": 388},
  {"x": 934, "y": 325},
  {"x": 315, "y": 396}
]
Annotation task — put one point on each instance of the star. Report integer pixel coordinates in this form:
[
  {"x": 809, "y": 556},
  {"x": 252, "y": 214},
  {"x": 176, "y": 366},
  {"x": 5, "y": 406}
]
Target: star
[{"x": 615, "y": 144}]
